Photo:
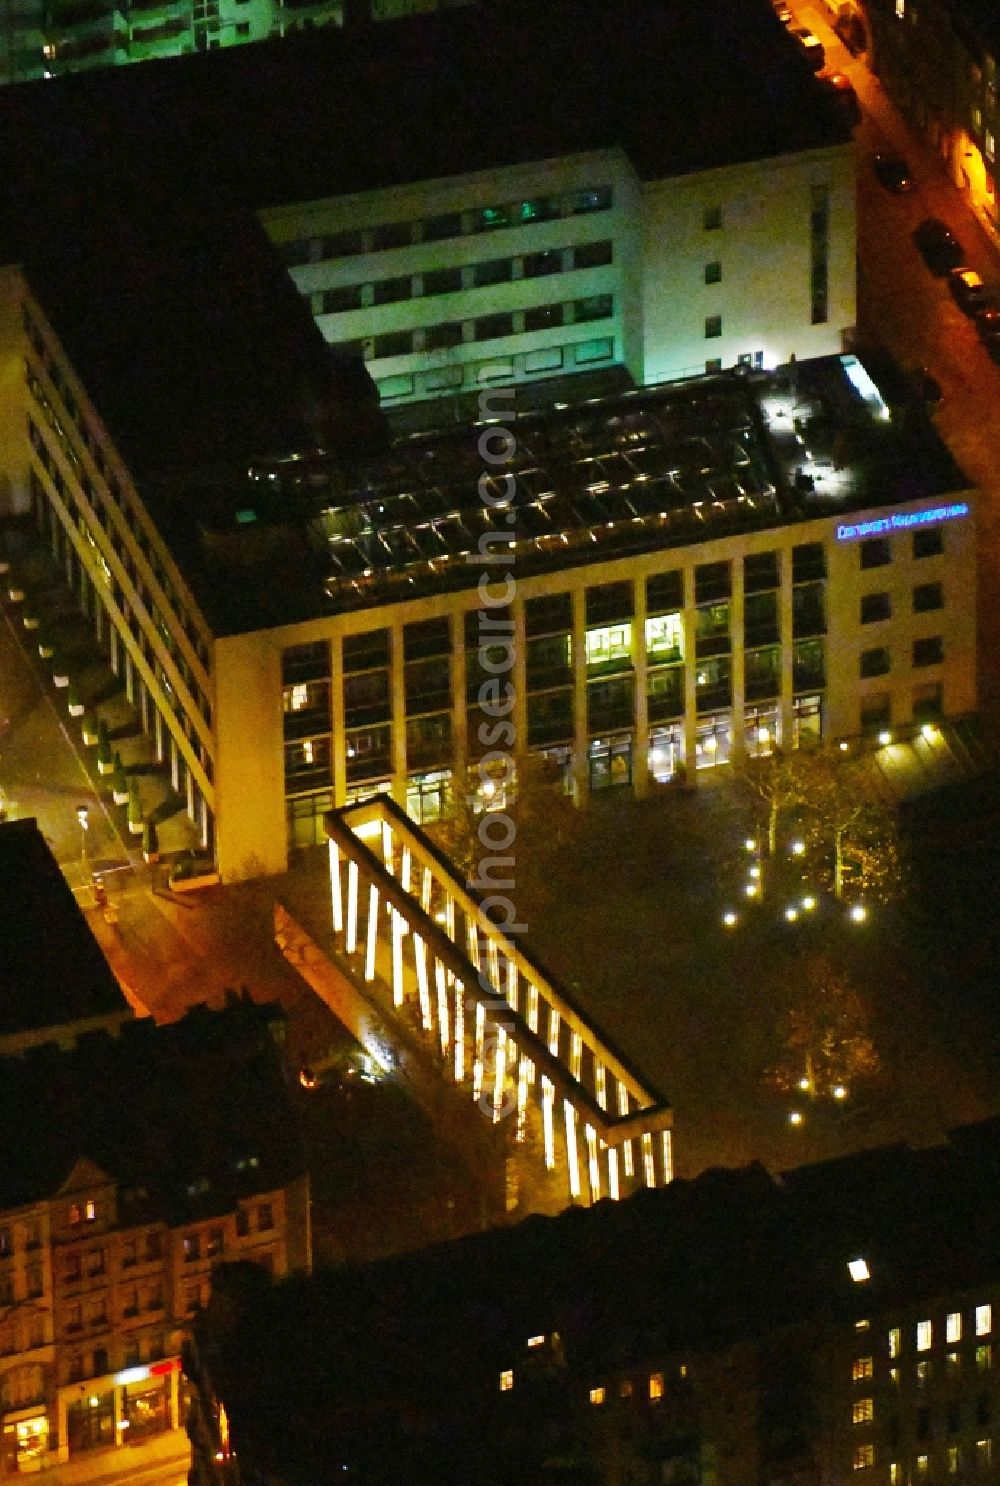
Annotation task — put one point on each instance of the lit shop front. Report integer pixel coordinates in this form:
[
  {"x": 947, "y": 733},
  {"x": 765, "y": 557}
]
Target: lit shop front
[{"x": 25, "y": 1443}]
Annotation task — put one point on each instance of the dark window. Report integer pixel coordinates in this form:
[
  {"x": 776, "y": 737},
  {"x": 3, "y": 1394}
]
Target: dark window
[
  {"x": 441, "y": 337},
  {"x": 396, "y": 343},
  {"x": 550, "y": 716},
  {"x": 338, "y": 301},
  {"x": 492, "y": 327},
  {"x": 537, "y": 265},
  {"x": 808, "y": 610},
  {"x": 442, "y": 281},
  {"x": 760, "y": 618},
  {"x": 493, "y": 271},
  {"x": 309, "y": 662},
  {"x": 609, "y": 602},
  {"x": 927, "y": 596},
  {"x": 875, "y": 662},
  {"x": 265, "y": 1217},
  {"x": 762, "y": 674},
  {"x": 388, "y": 291},
  {"x": 342, "y": 245},
  {"x": 610, "y": 704},
  {"x": 808, "y": 562},
  {"x": 928, "y": 652},
  {"x": 923, "y": 1424},
  {"x": 665, "y": 693},
  {"x": 712, "y": 629},
  {"x": 928, "y": 543},
  {"x": 665, "y": 593},
  {"x": 711, "y": 218},
  {"x": 875, "y": 607},
  {"x": 712, "y": 580},
  {"x": 543, "y": 316},
  {"x": 713, "y": 684},
  {"x": 366, "y": 697},
  {"x": 596, "y": 307},
  {"x": 713, "y": 272},
  {"x": 548, "y": 616},
  {"x": 819, "y": 246},
  {"x": 760, "y": 571},
  {"x": 713, "y": 326},
  {"x": 429, "y": 637},
  {"x": 808, "y": 665},
  {"x": 876, "y": 552},
  {"x": 427, "y": 684},
  {"x": 366, "y": 651},
  {"x": 438, "y": 228},
  {"x": 242, "y": 1222},
  {"x": 593, "y": 199},
  {"x": 428, "y": 740},
  {"x": 592, "y": 255},
  {"x": 713, "y": 364},
  {"x": 294, "y": 254},
  {"x": 392, "y": 235}
]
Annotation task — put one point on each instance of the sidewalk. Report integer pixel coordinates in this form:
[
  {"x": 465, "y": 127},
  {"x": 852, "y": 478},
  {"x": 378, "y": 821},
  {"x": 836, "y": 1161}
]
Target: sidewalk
[{"x": 166, "y": 1458}]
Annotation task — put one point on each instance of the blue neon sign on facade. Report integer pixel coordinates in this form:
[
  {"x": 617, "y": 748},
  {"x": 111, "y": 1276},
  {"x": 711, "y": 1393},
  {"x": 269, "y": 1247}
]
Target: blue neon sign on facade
[{"x": 901, "y": 521}]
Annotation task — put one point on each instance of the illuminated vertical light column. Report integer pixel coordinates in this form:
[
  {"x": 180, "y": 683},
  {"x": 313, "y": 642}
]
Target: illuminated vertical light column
[
  {"x": 472, "y": 936},
  {"x": 387, "y": 845},
  {"x": 668, "y": 1155},
  {"x": 512, "y": 985},
  {"x": 372, "y": 933},
  {"x": 459, "y": 1031},
  {"x": 499, "y": 1074},
  {"x": 613, "y": 1191},
  {"x": 576, "y": 1054},
  {"x": 423, "y": 990},
  {"x": 404, "y": 871},
  {"x": 533, "y": 1007},
  {"x": 648, "y": 1164},
  {"x": 601, "y": 1084},
  {"x": 593, "y": 1164},
  {"x": 442, "y": 999},
  {"x": 336, "y": 891},
  {"x": 449, "y": 917},
  {"x": 426, "y": 885},
  {"x": 553, "y": 1032},
  {"x": 548, "y": 1124},
  {"x": 572, "y": 1160},
  {"x": 351, "y": 940},
  {"x": 477, "y": 1054},
  {"x": 398, "y": 989},
  {"x": 493, "y": 963},
  {"x": 523, "y": 1080},
  {"x": 628, "y": 1158}
]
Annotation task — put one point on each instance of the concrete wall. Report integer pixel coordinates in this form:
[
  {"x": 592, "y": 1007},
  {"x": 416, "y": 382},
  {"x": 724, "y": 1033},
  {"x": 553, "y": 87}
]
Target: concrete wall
[{"x": 14, "y": 448}]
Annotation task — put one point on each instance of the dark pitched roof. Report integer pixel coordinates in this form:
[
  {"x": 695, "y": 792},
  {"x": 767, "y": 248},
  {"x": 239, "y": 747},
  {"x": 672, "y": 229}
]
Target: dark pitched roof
[
  {"x": 52, "y": 970},
  {"x": 203, "y": 1101}
]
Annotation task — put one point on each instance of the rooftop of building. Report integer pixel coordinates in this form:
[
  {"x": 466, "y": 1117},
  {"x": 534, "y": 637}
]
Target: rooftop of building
[
  {"x": 52, "y": 971},
  {"x": 184, "y": 1118},
  {"x": 626, "y": 471},
  {"x": 733, "y": 1255},
  {"x": 459, "y": 89}
]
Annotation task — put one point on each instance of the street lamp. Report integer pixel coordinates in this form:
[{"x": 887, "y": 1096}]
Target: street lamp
[{"x": 83, "y": 816}]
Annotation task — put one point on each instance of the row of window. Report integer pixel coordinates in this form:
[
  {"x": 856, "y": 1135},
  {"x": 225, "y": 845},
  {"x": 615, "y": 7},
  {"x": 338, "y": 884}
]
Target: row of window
[
  {"x": 354, "y": 241},
  {"x": 491, "y": 327},
  {"x": 151, "y": 1347},
  {"x": 925, "y": 598},
  {"x": 956, "y": 1459},
  {"x": 490, "y": 272}
]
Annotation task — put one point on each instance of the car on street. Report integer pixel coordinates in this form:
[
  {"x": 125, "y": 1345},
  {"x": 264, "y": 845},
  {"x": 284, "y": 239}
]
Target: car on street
[
  {"x": 843, "y": 90},
  {"x": 811, "y": 46},
  {"x": 893, "y": 173},
  {"x": 967, "y": 289},
  {"x": 938, "y": 246}
]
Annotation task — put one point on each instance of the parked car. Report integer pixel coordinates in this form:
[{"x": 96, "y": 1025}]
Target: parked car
[
  {"x": 811, "y": 45},
  {"x": 893, "y": 173},
  {"x": 843, "y": 90},
  {"x": 967, "y": 289},
  {"x": 938, "y": 246}
]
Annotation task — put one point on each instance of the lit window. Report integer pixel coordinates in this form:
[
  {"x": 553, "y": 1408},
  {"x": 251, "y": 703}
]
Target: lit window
[
  {"x": 863, "y": 1368},
  {"x": 984, "y": 1452},
  {"x": 921, "y": 1466},
  {"x": 984, "y": 1320},
  {"x": 923, "y": 1374},
  {"x": 984, "y": 1356},
  {"x": 893, "y": 1473},
  {"x": 894, "y": 1340},
  {"x": 610, "y": 643},
  {"x": 900, "y": 9},
  {"x": 953, "y": 1326},
  {"x": 861, "y": 1325},
  {"x": 300, "y": 697},
  {"x": 862, "y": 1411},
  {"x": 90, "y": 1211},
  {"x": 952, "y": 1363},
  {"x": 990, "y": 145},
  {"x": 953, "y": 1460},
  {"x": 597, "y": 1395},
  {"x": 864, "y": 1456},
  {"x": 506, "y": 1381},
  {"x": 894, "y": 1376},
  {"x": 664, "y": 637},
  {"x": 535, "y": 1341},
  {"x": 656, "y": 1385},
  {"x": 859, "y": 1270},
  {"x": 925, "y": 1336}
]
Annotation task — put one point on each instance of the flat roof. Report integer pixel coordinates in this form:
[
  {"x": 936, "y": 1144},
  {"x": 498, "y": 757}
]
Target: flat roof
[
  {"x": 52, "y": 970},
  {"x": 679, "y": 87},
  {"x": 632, "y": 471}
]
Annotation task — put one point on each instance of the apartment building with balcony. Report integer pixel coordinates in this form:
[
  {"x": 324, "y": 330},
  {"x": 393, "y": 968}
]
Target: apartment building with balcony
[{"x": 144, "y": 1160}]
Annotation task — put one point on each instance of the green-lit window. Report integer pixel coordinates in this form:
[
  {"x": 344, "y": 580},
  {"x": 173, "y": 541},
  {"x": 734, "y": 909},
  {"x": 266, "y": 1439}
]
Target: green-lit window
[
  {"x": 610, "y": 643},
  {"x": 664, "y": 638}
]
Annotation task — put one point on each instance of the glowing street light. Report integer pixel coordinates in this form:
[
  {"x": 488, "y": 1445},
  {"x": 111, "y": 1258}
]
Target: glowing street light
[
  {"x": 838, "y": 1091},
  {"x": 804, "y": 1084},
  {"x": 791, "y": 913},
  {"x": 729, "y": 918},
  {"x": 795, "y": 1117},
  {"x": 755, "y": 872},
  {"x": 808, "y": 903},
  {"x": 843, "y": 745},
  {"x": 750, "y": 844},
  {"x": 929, "y": 732},
  {"x": 797, "y": 848},
  {"x": 885, "y": 738},
  {"x": 751, "y": 890},
  {"x": 858, "y": 913}
]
